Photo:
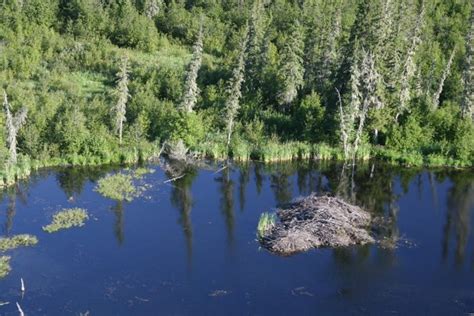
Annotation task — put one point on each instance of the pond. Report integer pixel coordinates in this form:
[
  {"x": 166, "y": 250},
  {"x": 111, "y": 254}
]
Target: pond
[{"x": 188, "y": 247}]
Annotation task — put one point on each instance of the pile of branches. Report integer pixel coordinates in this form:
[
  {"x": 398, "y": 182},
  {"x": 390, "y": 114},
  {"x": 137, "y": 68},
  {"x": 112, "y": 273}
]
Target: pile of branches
[{"x": 315, "y": 222}]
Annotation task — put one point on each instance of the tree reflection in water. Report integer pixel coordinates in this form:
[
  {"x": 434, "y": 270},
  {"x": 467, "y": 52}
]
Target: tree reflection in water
[{"x": 182, "y": 199}]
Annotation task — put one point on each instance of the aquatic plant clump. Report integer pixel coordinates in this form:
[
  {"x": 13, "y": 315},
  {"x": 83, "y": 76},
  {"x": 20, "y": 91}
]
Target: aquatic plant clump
[
  {"x": 315, "y": 222},
  {"x": 75, "y": 217},
  {"x": 265, "y": 224},
  {"x": 118, "y": 187},
  {"x": 4, "y": 266},
  {"x": 14, "y": 242},
  {"x": 140, "y": 172}
]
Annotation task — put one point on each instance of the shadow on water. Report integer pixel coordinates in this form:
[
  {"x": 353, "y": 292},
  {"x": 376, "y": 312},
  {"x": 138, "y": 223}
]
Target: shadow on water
[
  {"x": 460, "y": 203},
  {"x": 182, "y": 198},
  {"x": 119, "y": 225},
  {"x": 226, "y": 189}
]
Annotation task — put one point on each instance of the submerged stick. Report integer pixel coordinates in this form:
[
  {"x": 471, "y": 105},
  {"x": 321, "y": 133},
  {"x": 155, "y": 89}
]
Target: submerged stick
[
  {"x": 19, "y": 309},
  {"x": 174, "y": 179},
  {"x": 22, "y": 285},
  {"x": 221, "y": 169}
]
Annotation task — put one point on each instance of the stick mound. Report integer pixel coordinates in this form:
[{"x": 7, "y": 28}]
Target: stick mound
[{"x": 316, "y": 222}]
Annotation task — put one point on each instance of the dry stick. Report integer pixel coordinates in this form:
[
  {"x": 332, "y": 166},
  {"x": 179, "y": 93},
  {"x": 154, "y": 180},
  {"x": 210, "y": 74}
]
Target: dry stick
[
  {"x": 19, "y": 309},
  {"x": 221, "y": 169},
  {"x": 174, "y": 179}
]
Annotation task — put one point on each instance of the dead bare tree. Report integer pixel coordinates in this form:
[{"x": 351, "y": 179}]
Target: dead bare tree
[
  {"x": 445, "y": 75},
  {"x": 13, "y": 125}
]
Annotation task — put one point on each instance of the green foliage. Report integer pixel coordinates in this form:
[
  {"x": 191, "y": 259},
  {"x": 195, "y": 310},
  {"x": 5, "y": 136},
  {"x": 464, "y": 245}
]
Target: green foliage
[
  {"x": 67, "y": 218},
  {"x": 118, "y": 187},
  {"x": 310, "y": 117},
  {"x": 24, "y": 240},
  {"x": 410, "y": 135},
  {"x": 190, "y": 127},
  {"x": 58, "y": 59},
  {"x": 265, "y": 224}
]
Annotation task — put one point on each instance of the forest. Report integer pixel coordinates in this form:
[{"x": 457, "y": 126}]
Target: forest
[{"x": 88, "y": 82}]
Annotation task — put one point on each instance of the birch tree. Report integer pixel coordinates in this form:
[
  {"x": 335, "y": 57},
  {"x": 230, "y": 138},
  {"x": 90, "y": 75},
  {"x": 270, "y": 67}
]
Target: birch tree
[
  {"x": 13, "y": 125},
  {"x": 191, "y": 89},
  {"x": 120, "y": 109},
  {"x": 234, "y": 93}
]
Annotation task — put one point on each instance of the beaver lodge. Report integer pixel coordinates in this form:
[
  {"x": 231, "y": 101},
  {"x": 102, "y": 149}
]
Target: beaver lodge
[{"x": 314, "y": 222}]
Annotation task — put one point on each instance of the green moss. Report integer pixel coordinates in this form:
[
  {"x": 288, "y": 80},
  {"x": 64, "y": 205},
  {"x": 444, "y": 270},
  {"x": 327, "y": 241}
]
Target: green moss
[
  {"x": 4, "y": 266},
  {"x": 67, "y": 218},
  {"x": 17, "y": 241},
  {"x": 266, "y": 223},
  {"x": 118, "y": 187}
]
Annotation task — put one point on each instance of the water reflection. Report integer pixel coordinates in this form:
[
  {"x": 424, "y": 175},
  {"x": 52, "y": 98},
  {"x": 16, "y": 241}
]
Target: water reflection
[
  {"x": 244, "y": 179},
  {"x": 226, "y": 188},
  {"x": 182, "y": 199},
  {"x": 12, "y": 194},
  {"x": 73, "y": 179},
  {"x": 281, "y": 183},
  {"x": 460, "y": 204},
  {"x": 119, "y": 224}
]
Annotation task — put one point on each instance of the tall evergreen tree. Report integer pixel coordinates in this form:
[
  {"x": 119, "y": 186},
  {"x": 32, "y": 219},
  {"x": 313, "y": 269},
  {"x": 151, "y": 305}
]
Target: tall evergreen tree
[
  {"x": 120, "y": 109},
  {"x": 191, "y": 89},
  {"x": 152, "y": 8},
  {"x": 234, "y": 93},
  {"x": 291, "y": 70},
  {"x": 409, "y": 67},
  {"x": 468, "y": 97},
  {"x": 254, "y": 62}
]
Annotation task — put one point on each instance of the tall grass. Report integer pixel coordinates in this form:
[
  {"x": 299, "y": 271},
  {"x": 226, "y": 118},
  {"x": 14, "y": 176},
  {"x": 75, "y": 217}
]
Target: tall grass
[{"x": 265, "y": 224}]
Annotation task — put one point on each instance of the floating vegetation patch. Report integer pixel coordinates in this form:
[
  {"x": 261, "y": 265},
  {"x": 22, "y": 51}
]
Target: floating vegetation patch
[
  {"x": 4, "y": 266},
  {"x": 118, "y": 187},
  {"x": 17, "y": 241},
  {"x": 140, "y": 172},
  {"x": 67, "y": 218}
]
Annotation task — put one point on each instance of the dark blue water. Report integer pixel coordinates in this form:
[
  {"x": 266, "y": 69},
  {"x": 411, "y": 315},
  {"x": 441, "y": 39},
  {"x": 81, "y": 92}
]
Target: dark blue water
[{"x": 189, "y": 247}]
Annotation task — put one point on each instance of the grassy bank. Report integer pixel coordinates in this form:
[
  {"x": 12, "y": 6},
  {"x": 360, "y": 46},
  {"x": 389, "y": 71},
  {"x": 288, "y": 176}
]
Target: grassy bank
[{"x": 241, "y": 151}]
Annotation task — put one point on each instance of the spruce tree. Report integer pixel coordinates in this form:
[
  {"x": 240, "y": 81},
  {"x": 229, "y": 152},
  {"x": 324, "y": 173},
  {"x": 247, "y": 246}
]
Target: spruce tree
[
  {"x": 120, "y": 109},
  {"x": 152, "y": 8},
  {"x": 13, "y": 125},
  {"x": 409, "y": 67},
  {"x": 291, "y": 70},
  {"x": 254, "y": 61},
  {"x": 234, "y": 93},
  {"x": 468, "y": 95},
  {"x": 191, "y": 89}
]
